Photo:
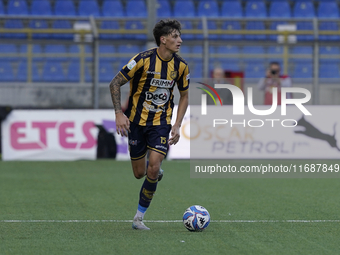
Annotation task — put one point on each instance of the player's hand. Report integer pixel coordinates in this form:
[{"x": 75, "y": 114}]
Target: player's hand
[
  {"x": 175, "y": 135},
  {"x": 122, "y": 124}
]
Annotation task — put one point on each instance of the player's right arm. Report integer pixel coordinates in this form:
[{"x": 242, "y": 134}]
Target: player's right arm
[{"x": 122, "y": 122}]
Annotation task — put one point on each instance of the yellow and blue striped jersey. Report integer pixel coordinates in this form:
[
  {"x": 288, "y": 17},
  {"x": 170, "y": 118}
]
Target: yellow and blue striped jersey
[{"x": 152, "y": 81}]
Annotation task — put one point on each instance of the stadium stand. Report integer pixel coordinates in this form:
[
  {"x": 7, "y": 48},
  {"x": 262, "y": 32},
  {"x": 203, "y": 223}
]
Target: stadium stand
[
  {"x": 136, "y": 8},
  {"x": 184, "y": 8},
  {"x": 280, "y": 9},
  {"x": 17, "y": 7},
  {"x": 64, "y": 8},
  {"x": 6, "y": 72},
  {"x": 231, "y": 9},
  {"x": 2, "y": 9},
  {"x": 255, "y": 9},
  {"x": 112, "y": 8},
  {"x": 110, "y": 24},
  {"x": 41, "y": 8},
  {"x": 53, "y": 72},
  {"x": 39, "y": 24},
  {"x": 62, "y": 24},
  {"x": 208, "y": 8},
  {"x": 211, "y": 26},
  {"x": 328, "y": 25},
  {"x": 134, "y": 24},
  {"x": 231, "y": 25},
  {"x": 59, "y": 52},
  {"x": 302, "y": 69},
  {"x": 87, "y": 8},
  {"x": 328, "y": 9},
  {"x": 304, "y": 9},
  {"x": 106, "y": 71},
  {"x": 187, "y": 24},
  {"x": 304, "y": 25},
  {"x": 164, "y": 8},
  {"x": 255, "y": 25}
]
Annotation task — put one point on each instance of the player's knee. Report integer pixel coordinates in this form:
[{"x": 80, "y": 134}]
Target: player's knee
[
  {"x": 153, "y": 170},
  {"x": 139, "y": 175}
]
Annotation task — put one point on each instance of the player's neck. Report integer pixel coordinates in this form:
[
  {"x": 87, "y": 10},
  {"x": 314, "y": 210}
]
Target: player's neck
[{"x": 164, "y": 53}]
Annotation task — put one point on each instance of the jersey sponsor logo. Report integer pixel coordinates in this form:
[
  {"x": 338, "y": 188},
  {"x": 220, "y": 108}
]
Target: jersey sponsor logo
[
  {"x": 158, "y": 97},
  {"x": 131, "y": 64},
  {"x": 152, "y": 108},
  {"x": 161, "y": 147},
  {"x": 153, "y": 72},
  {"x": 188, "y": 76},
  {"x": 161, "y": 83}
]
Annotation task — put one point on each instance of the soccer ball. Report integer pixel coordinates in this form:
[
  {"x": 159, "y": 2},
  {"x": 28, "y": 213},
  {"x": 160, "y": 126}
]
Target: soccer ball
[{"x": 196, "y": 218}]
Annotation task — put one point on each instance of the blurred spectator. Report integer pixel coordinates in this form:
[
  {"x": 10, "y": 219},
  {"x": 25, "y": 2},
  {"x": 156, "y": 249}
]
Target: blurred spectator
[
  {"x": 219, "y": 77},
  {"x": 272, "y": 80}
]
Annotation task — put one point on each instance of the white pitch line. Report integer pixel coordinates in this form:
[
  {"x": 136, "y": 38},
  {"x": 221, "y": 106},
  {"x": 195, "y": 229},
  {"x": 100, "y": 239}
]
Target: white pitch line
[{"x": 169, "y": 221}]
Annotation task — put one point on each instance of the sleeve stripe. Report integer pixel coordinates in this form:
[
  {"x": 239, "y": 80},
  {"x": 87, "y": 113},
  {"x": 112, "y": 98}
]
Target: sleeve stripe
[{"x": 125, "y": 75}]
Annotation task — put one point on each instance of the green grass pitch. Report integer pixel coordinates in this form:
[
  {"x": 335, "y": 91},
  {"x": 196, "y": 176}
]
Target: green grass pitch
[{"x": 107, "y": 190}]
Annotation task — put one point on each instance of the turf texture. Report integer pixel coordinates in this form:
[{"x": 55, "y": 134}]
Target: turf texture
[{"x": 107, "y": 190}]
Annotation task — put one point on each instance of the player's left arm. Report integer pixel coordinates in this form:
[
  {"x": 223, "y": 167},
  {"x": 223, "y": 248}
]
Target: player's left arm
[
  {"x": 183, "y": 86},
  {"x": 182, "y": 108}
]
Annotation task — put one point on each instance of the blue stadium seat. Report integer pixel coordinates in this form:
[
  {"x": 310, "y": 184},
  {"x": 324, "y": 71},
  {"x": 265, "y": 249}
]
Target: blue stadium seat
[
  {"x": 304, "y": 9},
  {"x": 329, "y": 70},
  {"x": 328, "y": 25},
  {"x": 230, "y": 65},
  {"x": 231, "y": 25},
  {"x": 41, "y": 8},
  {"x": 88, "y": 7},
  {"x": 36, "y": 49},
  {"x": 133, "y": 25},
  {"x": 330, "y": 50},
  {"x": 8, "y": 48},
  {"x": 254, "y": 70},
  {"x": 255, "y": 9},
  {"x": 280, "y": 10},
  {"x": 304, "y": 25},
  {"x": 227, "y": 49},
  {"x": 2, "y": 8},
  {"x": 163, "y": 8},
  {"x": 185, "y": 49},
  {"x": 17, "y": 7},
  {"x": 105, "y": 48},
  {"x": 197, "y": 70},
  {"x": 211, "y": 26},
  {"x": 328, "y": 10},
  {"x": 39, "y": 24},
  {"x": 253, "y": 50},
  {"x": 62, "y": 24},
  {"x": 275, "y": 50},
  {"x": 128, "y": 48},
  {"x": 53, "y": 72},
  {"x": 73, "y": 72},
  {"x": 184, "y": 8},
  {"x": 112, "y": 8},
  {"x": 136, "y": 8},
  {"x": 302, "y": 50},
  {"x": 74, "y": 50},
  {"x": 106, "y": 72},
  {"x": 302, "y": 69},
  {"x": 255, "y": 25},
  {"x": 197, "y": 49},
  {"x": 231, "y": 9},
  {"x": 186, "y": 24},
  {"x": 110, "y": 24},
  {"x": 64, "y": 8},
  {"x": 56, "y": 49},
  {"x": 22, "y": 71},
  {"x": 208, "y": 8},
  {"x": 6, "y": 72}
]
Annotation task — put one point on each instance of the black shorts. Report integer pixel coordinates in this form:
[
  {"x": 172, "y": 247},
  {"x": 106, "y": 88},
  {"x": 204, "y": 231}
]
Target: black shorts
[{"x": 142, "y": 138}]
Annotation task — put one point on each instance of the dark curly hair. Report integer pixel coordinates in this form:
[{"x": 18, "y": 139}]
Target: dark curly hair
[{"x": 165, "y": 27}]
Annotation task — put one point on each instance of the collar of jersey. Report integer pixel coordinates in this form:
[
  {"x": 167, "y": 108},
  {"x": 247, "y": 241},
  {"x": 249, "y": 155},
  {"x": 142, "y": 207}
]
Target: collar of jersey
[{"x": 163, "y": 59}]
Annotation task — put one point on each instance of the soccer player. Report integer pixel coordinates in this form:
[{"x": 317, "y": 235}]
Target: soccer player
[{"x": 153, "y": 74}]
